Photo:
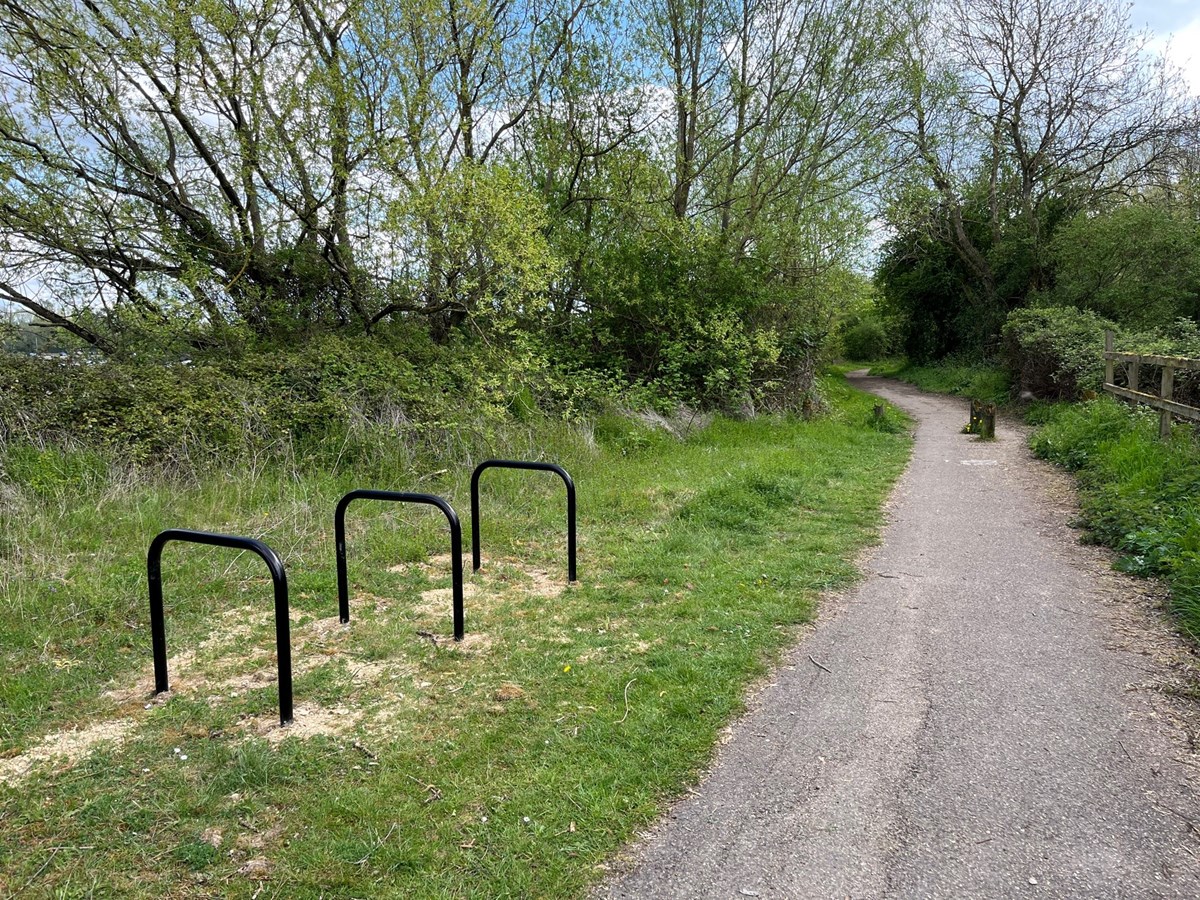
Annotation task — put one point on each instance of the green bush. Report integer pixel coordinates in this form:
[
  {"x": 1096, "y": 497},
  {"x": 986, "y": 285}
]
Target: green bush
[
  {"x": 1137, "y": 263},
  {"x": 315, "y": 400},
  {"x": 1179, "y": 338},
  {"x": 371, "y": 402},
  {"x": 1055, "y": 352},
  {"x": 867, "y": 340},
  {"x": 712, "y": 361}
]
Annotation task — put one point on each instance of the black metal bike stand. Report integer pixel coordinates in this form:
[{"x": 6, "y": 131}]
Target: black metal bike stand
[
  {"x": 535, "y": 467},
  {"x": 339, "y": 528},
  {"x": 283, "y": 643}
]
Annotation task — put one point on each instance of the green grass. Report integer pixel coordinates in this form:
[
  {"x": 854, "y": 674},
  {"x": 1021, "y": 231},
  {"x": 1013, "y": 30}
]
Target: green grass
[
  {"x": 974, "y": 380},
  {"x": 1139, "y": 495},
  {"x": 510, "y": 767}
]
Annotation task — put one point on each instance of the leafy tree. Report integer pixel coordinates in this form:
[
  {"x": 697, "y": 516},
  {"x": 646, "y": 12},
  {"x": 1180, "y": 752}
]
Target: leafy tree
[
  {"x": 675, "y": 190},
  {"x": 1137, "y": 263},
  {"x": 229, "y": 162},
  {"x": 1024, "y": 113}
]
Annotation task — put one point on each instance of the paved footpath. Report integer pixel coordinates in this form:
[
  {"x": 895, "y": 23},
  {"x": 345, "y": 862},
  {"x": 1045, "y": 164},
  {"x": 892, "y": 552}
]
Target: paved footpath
[{"x": 993, "y": 722}]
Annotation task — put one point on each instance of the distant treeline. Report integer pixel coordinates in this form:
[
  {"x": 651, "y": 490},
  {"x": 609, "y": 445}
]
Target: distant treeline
[{"x": 676, "y": 193}]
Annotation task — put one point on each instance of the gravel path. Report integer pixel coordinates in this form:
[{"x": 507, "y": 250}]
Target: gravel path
[{"x": 996, "y": 721}]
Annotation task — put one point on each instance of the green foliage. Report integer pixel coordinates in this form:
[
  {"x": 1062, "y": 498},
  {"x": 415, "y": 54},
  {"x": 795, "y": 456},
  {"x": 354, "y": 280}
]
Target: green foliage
[
  {"x": 674, "y": 311},
  {"x": 484, "y": 228},
  {"x": 1056, "y": 353},
  {"x": 330, "y": 398},
  {"x": 447, "y": 168},
  {"x": 1138, "y": 493},
  {"x": 1137, "y": 263},
  {"x": 926, "y": 287},
  {"x": 714, "y": 361},
  {"x": 1018, "y": 212},
  {"x": 1180, "y": 337},
  {"x": 865, "y": 341},
  {"x": 1074, "y": 433},
  {"x": 1135, "y": 266}
]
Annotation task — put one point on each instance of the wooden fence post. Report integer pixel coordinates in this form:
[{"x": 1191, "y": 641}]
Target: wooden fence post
[
  {"x": 1109, "y": 365},
  {"x": 1168, "y": 388},
  {"x": 1169, "y": 409}
]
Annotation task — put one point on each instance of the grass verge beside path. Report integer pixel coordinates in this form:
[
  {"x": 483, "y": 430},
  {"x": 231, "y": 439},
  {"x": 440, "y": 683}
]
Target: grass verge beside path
[
  {"x": 510, "y": 766},
  {"x": 1138, "y": 494},
  {"x": 973, "y": 380}
]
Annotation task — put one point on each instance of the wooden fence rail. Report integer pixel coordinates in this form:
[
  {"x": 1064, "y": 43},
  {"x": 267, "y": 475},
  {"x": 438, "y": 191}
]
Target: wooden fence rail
[{"x": 1132, "y": 363}]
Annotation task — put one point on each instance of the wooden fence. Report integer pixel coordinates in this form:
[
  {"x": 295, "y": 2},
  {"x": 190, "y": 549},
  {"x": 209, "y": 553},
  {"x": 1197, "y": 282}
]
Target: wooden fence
[{"x": 1163, "y": 400}]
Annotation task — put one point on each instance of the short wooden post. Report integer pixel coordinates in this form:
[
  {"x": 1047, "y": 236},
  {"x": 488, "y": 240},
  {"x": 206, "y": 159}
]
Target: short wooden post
[
  {"x": 987, "y": 423},
  {"x": 1168, "y": 389},
  {"x": 1109, "y": 365}
]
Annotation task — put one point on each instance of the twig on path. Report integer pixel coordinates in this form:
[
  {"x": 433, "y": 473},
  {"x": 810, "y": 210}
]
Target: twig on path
[
  {"x": 1123, "y": 750},
  {"x": 818, "y": 665},
  {"x": 898, "y": 575},
  {"x": 357, "y": 745},
  {"x": 432, "y": 789},
  {"x": 626, "y": 716}
]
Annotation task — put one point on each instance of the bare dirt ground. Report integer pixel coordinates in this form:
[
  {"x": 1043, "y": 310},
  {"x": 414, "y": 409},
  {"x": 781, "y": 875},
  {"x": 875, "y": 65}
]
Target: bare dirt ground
[{"x": 991, "y": 712}]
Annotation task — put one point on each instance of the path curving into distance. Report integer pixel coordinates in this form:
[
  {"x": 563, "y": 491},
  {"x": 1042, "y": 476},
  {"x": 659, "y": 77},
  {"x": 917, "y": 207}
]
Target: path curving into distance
[{"x": 996, "y": 720}]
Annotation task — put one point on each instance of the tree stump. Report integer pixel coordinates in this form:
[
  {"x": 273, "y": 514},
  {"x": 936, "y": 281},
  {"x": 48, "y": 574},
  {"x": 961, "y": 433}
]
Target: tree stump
[
  {"x": 987, "y": 423},
  {"x": 982, "y": 421}
]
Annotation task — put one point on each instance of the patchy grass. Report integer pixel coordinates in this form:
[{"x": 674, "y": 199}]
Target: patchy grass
[
  {"x": 973, "y": 380},
  {"x": 509, "y": 766}
]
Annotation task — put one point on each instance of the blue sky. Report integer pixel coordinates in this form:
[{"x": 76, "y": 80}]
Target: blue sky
[
  {"x": 1165, "y": 15},
  {"x": 1176, "y": 26}
]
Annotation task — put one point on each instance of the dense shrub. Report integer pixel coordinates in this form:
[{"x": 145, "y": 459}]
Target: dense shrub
[
  {"x": 866, "y": 340},
  {"x": 1137, "y": 263},
  {"x": 1056, "y": 352},
  {"x": 330, "y": 397},
  {"x": 1179, "y": 338}
]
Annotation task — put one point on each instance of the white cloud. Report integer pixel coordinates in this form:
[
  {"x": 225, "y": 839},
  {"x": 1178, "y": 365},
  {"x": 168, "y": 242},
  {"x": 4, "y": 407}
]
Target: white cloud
[{"x": 1182, "y": 49}]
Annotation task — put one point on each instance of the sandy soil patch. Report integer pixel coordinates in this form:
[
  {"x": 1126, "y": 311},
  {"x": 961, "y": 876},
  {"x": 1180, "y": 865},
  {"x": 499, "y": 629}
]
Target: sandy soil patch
[
  {"x": 311, "y": 720},
  {"x": 64, "y": 746},
  {"x": 440, "y": 601}
]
